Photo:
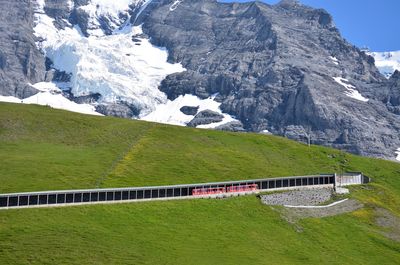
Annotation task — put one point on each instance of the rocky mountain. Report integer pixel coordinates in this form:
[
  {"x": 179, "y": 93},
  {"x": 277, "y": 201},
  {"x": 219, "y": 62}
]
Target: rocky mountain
[
  {"x": 21, "y": 63},
  {"x": 280, "y": 68}
]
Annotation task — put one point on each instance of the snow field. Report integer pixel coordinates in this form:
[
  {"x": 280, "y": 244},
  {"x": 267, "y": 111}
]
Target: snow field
[
  {"x": 170, "y": 111},
  {"x": 351, "y": 91}
]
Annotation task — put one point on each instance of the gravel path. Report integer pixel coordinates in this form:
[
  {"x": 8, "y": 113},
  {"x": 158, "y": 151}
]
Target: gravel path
[
  {"x": 345, "y": 207},
  {"x": 309, "y": 197}
]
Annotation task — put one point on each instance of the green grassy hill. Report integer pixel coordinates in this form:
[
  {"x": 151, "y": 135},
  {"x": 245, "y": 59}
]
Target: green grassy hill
[{"x": 46, "y": 149}]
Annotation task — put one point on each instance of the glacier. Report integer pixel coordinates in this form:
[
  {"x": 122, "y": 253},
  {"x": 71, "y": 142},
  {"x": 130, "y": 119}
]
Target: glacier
[{"x": 121, "y": 67}]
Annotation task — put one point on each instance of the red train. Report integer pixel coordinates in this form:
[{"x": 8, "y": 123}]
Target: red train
[{"x": 230, "y": 189}]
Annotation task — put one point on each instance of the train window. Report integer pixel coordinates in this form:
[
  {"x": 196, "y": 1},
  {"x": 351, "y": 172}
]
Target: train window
[
  {"x": 52, "y": 199},
  {"x": 177, "y": 192},
  {"x": 132, "y": 194},
  {"x": 304, "y": 182},
  {"x": 70, "y": 198},
  {"x": 86, "y": 197},
  {"x": 78, "y": 197},
  {"x": 310, "y": 181},
  {"x": 291, "y": 183},
  {"x": 331, "y": 180},
  {"x": 161, "y": 193},
  {"x": 271, "y": 184},
  {"x": 321, "y": 180},
  {"x": 94, "y": 196},
  {"x": 13, "y": 201},
  {"x": 118, "y": 196},
  {"x": 326, "y": 180},
  {"x": 102, "y": 196},
  {"x": 264, "y": 185},
  {"x": 298, "y": 182},
  {"x": 285, "y": 183},
  {"x": 33, "y": 200},
  {"x": 60, "y": 198},
  {"x": 23, "y": 200},
  {"x": 279, "y": 183},
  {"x": 169, "y": 193},
  {"x": 191, "y": 190},
  {"x": 125, "y": 195},
  {"x": 43, "y": 199},
  {"x": 184, "y": 191},
  {"x": 147, "y": 194},
  {"x": 109, "y": 196},
  {"x": 3, "y": 201},
  {"x": 140, "y": 194},
  {"x": 316, "y": 182},
  {"x": 154, "y": 193}
]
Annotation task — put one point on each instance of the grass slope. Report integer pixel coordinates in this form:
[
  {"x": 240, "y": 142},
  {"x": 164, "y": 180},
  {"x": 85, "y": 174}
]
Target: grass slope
[{"x": 42, "y": 149}]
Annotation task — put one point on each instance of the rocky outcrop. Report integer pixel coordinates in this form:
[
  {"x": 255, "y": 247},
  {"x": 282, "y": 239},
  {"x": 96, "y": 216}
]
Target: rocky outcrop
[
  {"x": 205, "y": 117},
  {"x": 393, "y": 96},
  {"x": 233, "y": 126},
  {"x": 21, "y": 62},
  {"x": 119, "y": 109},
  {"x": 189, "y": 110}
]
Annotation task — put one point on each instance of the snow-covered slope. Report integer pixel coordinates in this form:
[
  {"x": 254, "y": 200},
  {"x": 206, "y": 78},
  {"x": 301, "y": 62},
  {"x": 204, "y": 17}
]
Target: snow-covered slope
[
  {"x": 387, "y": 62},
  {"x": 170, "y": 111},
  {"x": 351, "y": 90},
  {"x": 50, "y": 95},
  {"x": 122, "y": 67}
]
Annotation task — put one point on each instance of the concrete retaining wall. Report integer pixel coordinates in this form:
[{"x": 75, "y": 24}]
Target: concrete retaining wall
[{"x": 349, "y": 179}]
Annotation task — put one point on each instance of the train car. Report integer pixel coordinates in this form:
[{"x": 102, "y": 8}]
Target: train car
[
  {"x": 242, "y": 188},
  {"x": 227, "y": 190},
  {"x": 208, "y": 191}
]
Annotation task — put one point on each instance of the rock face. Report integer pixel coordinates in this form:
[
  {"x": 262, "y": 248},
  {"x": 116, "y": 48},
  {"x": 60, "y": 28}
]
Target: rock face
[
  {"x": 393, "y": 96},
  {"x": 205, "y": 117},
  {"x": 233, "y": 126},
  {"x": 21, "y": 62},
  {"x": 273, "y": 67},
  {"x": 189, "y": 110}
]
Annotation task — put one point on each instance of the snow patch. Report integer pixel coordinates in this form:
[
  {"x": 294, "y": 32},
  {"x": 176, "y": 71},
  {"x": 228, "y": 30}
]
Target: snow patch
[
  {"x": 10, "y": 99},
  {"x": 57, "y": 101},
  {"x": 398, "y": 154},
  {"x": 46, "y": 87},
  {"x": 175, "y": 5},
  {"x": 170, "y": 113},
  {"x": 351, "y": 91},
  {"x": 386, "y": 62},
  {"x": 334, "y": 60}
]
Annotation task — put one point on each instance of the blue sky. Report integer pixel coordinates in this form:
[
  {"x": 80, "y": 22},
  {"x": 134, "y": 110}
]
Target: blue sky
[{"x": 371, "y": 23}]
